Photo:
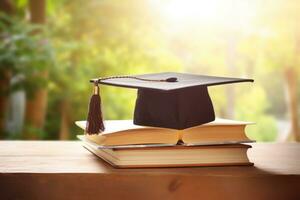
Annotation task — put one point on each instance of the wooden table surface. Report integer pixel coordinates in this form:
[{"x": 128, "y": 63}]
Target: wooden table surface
[{"x": 65, "y": 170}]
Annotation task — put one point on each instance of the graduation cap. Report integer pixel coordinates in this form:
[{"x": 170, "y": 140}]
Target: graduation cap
[{"x": 166, "y": 100}]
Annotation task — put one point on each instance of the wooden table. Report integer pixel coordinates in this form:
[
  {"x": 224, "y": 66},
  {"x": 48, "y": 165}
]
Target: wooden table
[{"x": 65, "y": 170}]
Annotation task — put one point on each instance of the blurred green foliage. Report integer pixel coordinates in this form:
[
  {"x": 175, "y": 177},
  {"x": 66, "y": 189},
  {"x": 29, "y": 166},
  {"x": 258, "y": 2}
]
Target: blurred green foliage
[{"x": 24, "y": 53}]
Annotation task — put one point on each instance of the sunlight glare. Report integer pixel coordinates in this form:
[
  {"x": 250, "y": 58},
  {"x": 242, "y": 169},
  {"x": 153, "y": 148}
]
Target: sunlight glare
[
  {"x": 228, "y": 14},
  {"x": 179, "y": 10}
]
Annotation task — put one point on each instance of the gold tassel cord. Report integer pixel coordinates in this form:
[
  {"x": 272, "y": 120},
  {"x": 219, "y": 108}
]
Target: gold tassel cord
[{"x": 171, "y": 79}]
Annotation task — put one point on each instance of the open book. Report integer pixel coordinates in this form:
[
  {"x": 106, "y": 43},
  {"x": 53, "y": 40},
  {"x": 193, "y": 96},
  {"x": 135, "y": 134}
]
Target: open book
[{"x": 124, "y": 132}]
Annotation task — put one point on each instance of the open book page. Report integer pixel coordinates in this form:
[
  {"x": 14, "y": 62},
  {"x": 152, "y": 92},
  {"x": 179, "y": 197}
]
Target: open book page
[
  {"x": 114, "y": 126},
  {"x": 124, "y": 132}
]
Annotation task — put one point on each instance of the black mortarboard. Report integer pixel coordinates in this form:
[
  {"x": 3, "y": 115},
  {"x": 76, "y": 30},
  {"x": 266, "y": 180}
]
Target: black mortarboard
[{"x": 167, "y": 100}]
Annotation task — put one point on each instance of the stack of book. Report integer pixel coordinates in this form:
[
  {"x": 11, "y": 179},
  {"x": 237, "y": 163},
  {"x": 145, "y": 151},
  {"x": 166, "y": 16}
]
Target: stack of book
[
  {"x": 173, "y": 125},
  {"x": 125, "y": 145}
]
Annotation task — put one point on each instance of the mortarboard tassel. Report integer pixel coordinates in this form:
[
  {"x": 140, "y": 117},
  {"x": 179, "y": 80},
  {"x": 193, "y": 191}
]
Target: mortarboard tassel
[{"x": 94, "y": 123}]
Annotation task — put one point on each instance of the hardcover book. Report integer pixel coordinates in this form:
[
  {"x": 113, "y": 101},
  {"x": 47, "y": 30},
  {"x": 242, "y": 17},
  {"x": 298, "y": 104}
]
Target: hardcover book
[{"x": 172, "y": 156}]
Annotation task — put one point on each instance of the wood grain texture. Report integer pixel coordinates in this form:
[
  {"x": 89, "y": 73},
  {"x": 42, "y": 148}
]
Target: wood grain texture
[{"x": 65, "y": 170}]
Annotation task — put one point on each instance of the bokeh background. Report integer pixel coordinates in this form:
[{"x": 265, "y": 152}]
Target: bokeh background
[{"x": 50, "y": 49}]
